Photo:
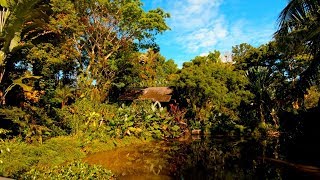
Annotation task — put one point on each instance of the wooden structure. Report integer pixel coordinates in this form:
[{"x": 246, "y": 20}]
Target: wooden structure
[{"x": 160, "y": 94}]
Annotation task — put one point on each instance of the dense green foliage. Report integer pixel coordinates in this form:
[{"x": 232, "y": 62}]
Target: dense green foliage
[
  {"x": 209, "y": 89},
  {"x": 141, "y": 119},
  {"x": 150, "y": 69},
  {"x": 299, "y": 34}
]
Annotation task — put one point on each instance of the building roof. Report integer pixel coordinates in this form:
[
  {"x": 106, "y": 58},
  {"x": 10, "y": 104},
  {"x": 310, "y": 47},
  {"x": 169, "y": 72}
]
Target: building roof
[{"x": 161, "y": 94}]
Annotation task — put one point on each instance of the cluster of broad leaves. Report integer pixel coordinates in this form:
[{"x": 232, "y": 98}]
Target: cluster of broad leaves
[{"x": 140, "y": 119}]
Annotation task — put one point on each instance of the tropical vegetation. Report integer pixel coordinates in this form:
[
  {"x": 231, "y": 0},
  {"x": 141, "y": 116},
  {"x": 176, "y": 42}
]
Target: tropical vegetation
[{"x": 64, "y": 63}]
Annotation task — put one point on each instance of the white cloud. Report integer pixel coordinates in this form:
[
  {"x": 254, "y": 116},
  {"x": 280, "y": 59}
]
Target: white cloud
[
  {"x": 199, "y": 27},
  {"x": 205, "y": 38},
  {"x": 204, "y": 54},
  {"x": 191, "y": 14},
  {"x": 197, "y": 24},
  {"x": 242, "y": 31}
]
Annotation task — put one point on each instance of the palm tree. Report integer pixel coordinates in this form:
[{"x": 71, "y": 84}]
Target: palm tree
[
  {"x": 13, "y": 16},
  {"x": 299, "y": 31},
  {"x": 261, "y": 84},
  {"x": 17, "y": 22},
  {"x": 63, "y": 94}
]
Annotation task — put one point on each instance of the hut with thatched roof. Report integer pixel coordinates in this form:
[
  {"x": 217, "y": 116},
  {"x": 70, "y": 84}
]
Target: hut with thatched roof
[{"x": 160, "y": 94}]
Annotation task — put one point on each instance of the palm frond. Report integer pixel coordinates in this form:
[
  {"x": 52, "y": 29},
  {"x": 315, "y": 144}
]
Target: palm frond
[
  {"x": 299, "y": 29},
  {"x": 19, "y": 11}
]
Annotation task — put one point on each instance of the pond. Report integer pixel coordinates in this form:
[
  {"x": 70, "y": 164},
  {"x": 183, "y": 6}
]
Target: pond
[{"x": 211, "y": 158}]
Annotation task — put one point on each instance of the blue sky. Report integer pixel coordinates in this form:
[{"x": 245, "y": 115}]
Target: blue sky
[{"x": 201, "y": 26}]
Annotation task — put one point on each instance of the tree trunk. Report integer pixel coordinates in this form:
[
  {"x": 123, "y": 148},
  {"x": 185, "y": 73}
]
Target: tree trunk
[{"x": 261, "y": 113}]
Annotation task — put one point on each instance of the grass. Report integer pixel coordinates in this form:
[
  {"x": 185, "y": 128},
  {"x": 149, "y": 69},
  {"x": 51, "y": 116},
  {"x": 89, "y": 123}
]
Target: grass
[{"x": 18, "y": 157}]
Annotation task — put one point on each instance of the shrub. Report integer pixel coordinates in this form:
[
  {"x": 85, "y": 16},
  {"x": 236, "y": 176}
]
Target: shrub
[
  {"x": 18, "y": 157},
  {"x": 15, "y": 157},
  {"x": 140, "y": 119},
  {"x": 73, "y": 170}
]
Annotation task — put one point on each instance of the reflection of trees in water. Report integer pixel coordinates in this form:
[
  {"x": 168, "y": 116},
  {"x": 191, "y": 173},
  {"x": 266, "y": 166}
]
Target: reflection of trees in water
[
  {"x": 227, "y": 159},
  {"x": 207, "y": 158}
]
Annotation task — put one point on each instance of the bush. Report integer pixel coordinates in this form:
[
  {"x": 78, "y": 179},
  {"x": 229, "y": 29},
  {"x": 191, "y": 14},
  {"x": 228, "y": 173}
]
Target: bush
[
  {"x": 18, "y": 157},
  {"x": 60, "y": 149},
  {"x": 30, "y": 122},
  {"x": 311, "y": 99},
  {"x": 102, "y": 121},
  {"x": 73, "y": 170}
]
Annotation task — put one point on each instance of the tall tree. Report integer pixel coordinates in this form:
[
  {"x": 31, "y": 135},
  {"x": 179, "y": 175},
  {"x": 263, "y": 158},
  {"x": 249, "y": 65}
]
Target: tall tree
[
  {"x": 207, "y": 86},
  {"x": 112, "y": 28},
  {"x": 20, "y": 21},
  {"x": 300, "y": 33},
  {"x": 261, "y": 84},
  {"x": 285, "y": 68},
  {"x": 54, "y": 54},
  {"x": 152, "y": 69},
  {"x": 14, "y": 15}
]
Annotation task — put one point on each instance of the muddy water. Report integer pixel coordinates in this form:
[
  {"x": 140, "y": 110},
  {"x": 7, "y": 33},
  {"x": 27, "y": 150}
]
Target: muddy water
[
  {"x": 207, "y": 158},
  {"x": 147, "y": 161}
]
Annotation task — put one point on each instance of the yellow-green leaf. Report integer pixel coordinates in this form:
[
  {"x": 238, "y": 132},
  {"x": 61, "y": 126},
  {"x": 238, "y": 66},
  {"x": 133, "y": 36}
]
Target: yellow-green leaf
[
  {"x": 2, "y": 57},
  {"x": 15, "y": 41},
  {"x": 3, "y": 3},
  {"x": 24, "y": 86}
]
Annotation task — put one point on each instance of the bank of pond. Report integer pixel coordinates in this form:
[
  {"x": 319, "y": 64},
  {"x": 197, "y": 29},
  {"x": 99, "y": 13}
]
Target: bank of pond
[{"x": 197, "y": 157}]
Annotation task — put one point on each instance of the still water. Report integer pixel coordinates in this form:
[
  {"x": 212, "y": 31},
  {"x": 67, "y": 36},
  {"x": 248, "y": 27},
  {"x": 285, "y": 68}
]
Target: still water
[{"x": 212, "y": 158}]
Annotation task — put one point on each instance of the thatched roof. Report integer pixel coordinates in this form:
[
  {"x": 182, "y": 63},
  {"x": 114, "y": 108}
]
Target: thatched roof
[{"x": 161, "y": 94}]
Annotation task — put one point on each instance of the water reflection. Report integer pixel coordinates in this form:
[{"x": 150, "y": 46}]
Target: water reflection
[{"x": 206, "y": 158}]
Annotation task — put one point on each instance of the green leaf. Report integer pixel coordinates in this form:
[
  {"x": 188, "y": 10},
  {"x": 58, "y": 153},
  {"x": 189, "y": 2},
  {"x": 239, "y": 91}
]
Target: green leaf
[
  {"x": 175, "y": 128},
  {"x": 156, "y": 126},
  {"x": 149, "y": 116},
  {"x": 15, "y": 41},
  {"x": 3, "y": 3},
  {"x": 2, "y": 57},
  {"x": 22, "y": 85},
  {"x": 130, "y": 123},
  {"x": 130, "y": 118}
]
